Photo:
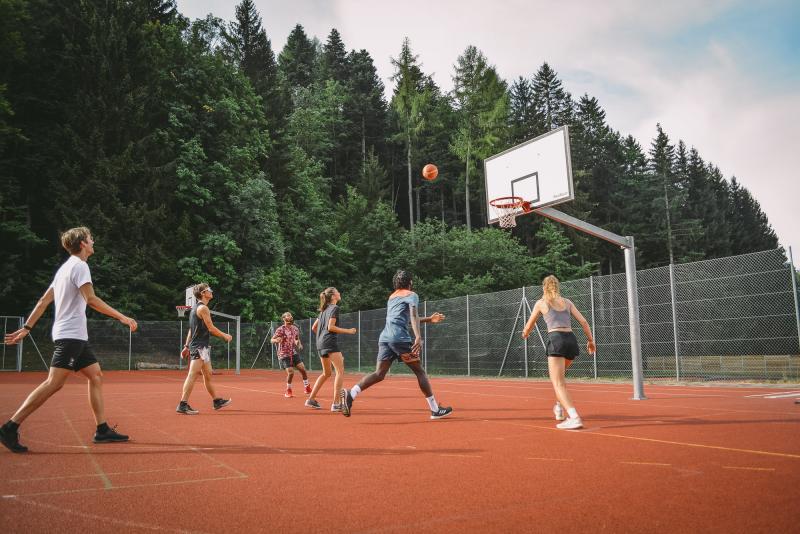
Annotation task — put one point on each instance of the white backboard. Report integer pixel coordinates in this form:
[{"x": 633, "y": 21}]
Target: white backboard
[
  {"x": 538, "y": 170},
  {"x": 190, "y": 296}
]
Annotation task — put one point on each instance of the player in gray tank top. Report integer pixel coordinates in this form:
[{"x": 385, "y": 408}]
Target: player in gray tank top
[{"x": 562, "y": 346}]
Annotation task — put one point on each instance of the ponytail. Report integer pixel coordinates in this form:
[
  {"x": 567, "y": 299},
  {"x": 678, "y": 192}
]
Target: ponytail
[
  {"x": 325, "y": 298},
  {"x": 551, "y": 289}
]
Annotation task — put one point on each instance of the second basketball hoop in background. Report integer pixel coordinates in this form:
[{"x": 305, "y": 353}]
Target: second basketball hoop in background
[{"x": 430, "y": 172}]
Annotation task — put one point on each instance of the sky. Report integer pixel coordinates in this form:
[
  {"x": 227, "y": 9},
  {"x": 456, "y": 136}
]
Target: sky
[{"x": 722, "y": 75}]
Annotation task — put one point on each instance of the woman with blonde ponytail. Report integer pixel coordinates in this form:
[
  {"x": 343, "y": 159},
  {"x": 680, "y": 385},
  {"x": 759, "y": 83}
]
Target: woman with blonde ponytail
[
  {"x": 328, "y": 347},
  {"x": 562, "y": 345}
]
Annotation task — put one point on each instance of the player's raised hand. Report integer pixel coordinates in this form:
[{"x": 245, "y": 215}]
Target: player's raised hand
[{"x": 437, "y": 317}]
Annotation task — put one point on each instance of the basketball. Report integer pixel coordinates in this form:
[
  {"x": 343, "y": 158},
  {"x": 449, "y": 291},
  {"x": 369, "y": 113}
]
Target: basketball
[{"x": 430, "y": 172}]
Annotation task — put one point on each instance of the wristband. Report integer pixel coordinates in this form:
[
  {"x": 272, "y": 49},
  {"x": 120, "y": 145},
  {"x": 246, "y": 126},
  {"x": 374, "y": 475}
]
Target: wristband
[{"x": 26, "y": 327}]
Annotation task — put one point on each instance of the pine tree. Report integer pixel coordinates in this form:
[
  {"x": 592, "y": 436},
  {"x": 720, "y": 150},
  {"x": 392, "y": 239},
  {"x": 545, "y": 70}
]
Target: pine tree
[
  {"x": 662, "y": 161},
  {"x": 552, "y": 104},
  {"x": 297, "y": 60},
  {"x": 333, "y": 61},
  {"x": 481, "y": 104},
  {"x": 523, "y": 120}
]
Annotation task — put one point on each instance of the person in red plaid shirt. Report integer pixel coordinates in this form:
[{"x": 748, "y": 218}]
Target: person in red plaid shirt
[{"x": 287, "y": 337}]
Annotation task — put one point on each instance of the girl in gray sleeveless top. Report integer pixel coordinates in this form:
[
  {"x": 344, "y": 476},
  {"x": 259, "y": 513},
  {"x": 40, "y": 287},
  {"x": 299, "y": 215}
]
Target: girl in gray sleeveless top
[{"x": 562, "y": 345}]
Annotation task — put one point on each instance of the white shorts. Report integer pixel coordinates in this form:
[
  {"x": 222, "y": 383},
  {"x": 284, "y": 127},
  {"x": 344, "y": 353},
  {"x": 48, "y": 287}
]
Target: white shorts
[{"x": 202, "y": 353}]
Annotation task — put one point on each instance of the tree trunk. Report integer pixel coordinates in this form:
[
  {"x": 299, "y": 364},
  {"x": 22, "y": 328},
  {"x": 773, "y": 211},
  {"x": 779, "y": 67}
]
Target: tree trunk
[
  {"x": 410, "y": 189},
  {"x": 466, "y": 188}
]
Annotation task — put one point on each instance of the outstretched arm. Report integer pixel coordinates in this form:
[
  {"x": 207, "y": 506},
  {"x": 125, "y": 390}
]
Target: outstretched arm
[
  {"x": 205, "y": 315},
  {"x": 537, "y": 312},
  {"x": 44, "y": 301},
  {"x": 97, "y": 304},
  {"x": 590, "y": 346},
  {"x": 435, "y": 318},
  {"x": 336, "y": 330}
]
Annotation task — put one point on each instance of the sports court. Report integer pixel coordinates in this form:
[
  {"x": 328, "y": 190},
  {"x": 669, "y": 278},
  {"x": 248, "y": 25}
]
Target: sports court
[{"x": 688, "y": 459}]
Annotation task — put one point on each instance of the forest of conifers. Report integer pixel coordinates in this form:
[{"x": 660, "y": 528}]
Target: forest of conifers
[{"x": 195, "y": 151}]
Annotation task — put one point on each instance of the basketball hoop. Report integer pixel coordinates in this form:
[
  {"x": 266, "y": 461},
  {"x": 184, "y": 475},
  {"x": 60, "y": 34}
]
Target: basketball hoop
[
  {"x": 507, "y": 208},
  {"x": 182, "y": 310}
]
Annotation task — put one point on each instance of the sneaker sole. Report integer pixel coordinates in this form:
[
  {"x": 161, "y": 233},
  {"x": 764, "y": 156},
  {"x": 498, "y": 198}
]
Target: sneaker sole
[
  {"x": 448, "y": 414},
  {"x": 223, "y": 405},
  {"x": 111, "y": 440},
  {"x": 345, "y": 408},
  {"x": 313, "y": 407}
]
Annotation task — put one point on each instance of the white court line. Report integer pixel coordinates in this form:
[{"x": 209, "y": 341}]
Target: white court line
[
  {"x": 775, "y": 395},
  {"x": 784, "y": 396},
  {"x": 646, "y": 463},
  {"x": 95, "y": 517},
  {"x": 552, "y": 459},
  {"x": 106, "y": 481}
]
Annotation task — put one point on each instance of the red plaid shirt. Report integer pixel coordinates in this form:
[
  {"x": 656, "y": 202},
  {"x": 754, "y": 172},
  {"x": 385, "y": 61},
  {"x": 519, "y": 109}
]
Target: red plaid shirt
[{"x": 290, "y": 334}]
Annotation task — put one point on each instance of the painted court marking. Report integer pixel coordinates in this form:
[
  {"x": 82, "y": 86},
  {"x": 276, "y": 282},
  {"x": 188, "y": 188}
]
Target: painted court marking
[{"x": 103, "y": 476}]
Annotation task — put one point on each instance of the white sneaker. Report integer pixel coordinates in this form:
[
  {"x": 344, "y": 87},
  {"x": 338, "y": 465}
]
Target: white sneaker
[
  {"x": 572, "y": 423},
  {"x": 559, "y": 412},
  {"x": 336, "y": 407}
]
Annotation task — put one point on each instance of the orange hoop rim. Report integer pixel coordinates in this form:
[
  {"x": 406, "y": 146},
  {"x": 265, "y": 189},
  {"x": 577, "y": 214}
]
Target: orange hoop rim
[
  {"x": 182, "y": 309},
  {"x": 510, "y": 203}
]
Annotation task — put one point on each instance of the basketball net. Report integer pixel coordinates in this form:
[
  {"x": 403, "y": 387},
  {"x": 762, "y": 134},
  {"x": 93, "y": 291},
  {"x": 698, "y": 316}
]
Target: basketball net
[{"x": 507, "y": 209}]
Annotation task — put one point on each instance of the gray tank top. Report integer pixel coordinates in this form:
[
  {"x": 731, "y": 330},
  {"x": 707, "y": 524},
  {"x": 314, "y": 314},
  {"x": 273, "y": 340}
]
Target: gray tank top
[{"x": 559, "y": 319}]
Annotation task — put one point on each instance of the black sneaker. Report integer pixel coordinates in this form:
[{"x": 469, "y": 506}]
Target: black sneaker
[
  {"x": 221, "y": 403},
  {"x": 347, "y": 401},
  {"x": 11, "y": 440},
  {"x": 185, "y": 409},
  {"x": 109, "y": 436},
  {"x": 441, "y": 412},
  {"x": 312, "y": 403}
]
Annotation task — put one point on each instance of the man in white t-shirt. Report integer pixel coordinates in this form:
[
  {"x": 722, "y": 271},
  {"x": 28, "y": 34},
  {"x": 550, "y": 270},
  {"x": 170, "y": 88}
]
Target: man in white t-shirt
[{"x": 72, "y": 291}]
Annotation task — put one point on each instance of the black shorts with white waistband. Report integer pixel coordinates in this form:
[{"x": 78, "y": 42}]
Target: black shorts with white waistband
[{"x": 562, "y": 345}]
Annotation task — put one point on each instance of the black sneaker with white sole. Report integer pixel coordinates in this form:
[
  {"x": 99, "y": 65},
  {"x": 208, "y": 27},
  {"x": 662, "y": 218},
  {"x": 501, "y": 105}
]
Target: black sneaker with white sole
[
  {"x": 441, "y": 412},
  {"x": 185, "y": 409},
  {"x": 312, "y": 403},
  {"x": 346, "y": 402},
  {"x": 10, "y": 438},
  {"x": 109, "y": 436},
  {"x": 221, "y": 403}
]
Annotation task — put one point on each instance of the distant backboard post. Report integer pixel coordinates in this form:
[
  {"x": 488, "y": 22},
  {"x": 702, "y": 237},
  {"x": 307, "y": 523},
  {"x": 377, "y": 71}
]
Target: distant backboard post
[{"x": 536, "y": 175}]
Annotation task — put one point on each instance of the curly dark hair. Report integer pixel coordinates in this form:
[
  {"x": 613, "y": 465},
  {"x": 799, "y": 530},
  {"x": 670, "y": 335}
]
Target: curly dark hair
[{"x": 402, "y": 280}]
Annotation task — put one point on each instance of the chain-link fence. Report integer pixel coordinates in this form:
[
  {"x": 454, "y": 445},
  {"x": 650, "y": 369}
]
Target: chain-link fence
[{"x": 732, "y": 318}]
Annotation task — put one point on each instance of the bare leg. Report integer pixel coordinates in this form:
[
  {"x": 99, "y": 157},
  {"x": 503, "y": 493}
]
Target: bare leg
[
  {"x": 422, "y": 378},
  {"x": 207, "y": 371},
  {"x": 54, "y": 381},
  {"x": 302, "y": 368},
  {"x": 289, "y": 375},
  {"x": 557, "y": 368},
  {"x": 94, "y": 379},
  {"x": 326, "y": 372},
  {"x": 381, "y": 368},
  {"x": 195, "y": 369},
  {"x": 338, "y": 363}
]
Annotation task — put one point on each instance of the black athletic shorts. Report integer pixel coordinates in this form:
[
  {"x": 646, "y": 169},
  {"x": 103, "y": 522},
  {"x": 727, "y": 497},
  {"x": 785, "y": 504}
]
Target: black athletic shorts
[
  {"x": 72, "y": 354},
  {"x": 563, "y": 344},
  {"x": 325, "y": 351},
  {"x": 293, "y": 361}
]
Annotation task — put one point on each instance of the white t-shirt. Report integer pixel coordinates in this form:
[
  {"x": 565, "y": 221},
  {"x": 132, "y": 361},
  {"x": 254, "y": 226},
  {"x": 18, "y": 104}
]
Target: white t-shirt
[{"x": 70, "y": 321}]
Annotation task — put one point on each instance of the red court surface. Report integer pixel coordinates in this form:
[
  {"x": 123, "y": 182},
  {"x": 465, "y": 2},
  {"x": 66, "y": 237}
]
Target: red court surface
[{"x": 689, "y": 459}]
